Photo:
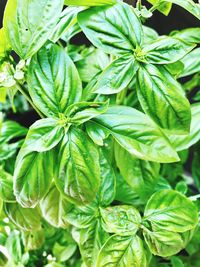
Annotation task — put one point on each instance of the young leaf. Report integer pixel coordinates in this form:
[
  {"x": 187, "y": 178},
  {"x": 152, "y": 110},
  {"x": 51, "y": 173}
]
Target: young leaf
[
  {"x": 90, "y": 2},
  {"x": 24, "y": 219},
  {"x": 24, "y": 24},
  {"x": 32, "y": 177},
  {"x": 82, "y": 112},
  {"x": 164, "y": 8},
  {"x": 68, "y": 19},
  {"x": 78, "y": 176},
  {"x": 120, "y": 37},
  {"x": 96, "y": 133},
  {"x": 136, "y": 133},
  {"x": 43, "y": 135},
  {"x": 166, "y": 50},
  {"x": 53, "y": 81},
  {"x": 171, "y": 211},
  {"x": 117, "y": 75},
  {"x": 91, "y": 241},
  {"x": 182, "y": 142},
  {"x": 162, "y": 98},
  {"x": 122, "y": 220},
  {"x": 122, "y": 251},
  {"x": 141, "y": 175},
  {"x": 54, "y": 207}
]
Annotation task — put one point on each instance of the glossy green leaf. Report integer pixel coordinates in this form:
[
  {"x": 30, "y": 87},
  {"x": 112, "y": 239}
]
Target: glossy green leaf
[
  {"x": 189, "y": 5},
  {"x": 96, "y": 133},
  {"x": 82, "y": 112},
  {"x": 150, "y": 34},
  {"x": 163, "y": 8},
  {"x": 24, "y": 219},
  {"x": 117, "y": 76},
  {"x": 32, "y": 177},
  {"x": 122, "y": 220},
  {"x": 54, "y": 207},
  {"x": 141, "y": 175},
  {"x": 64, "y": 253},
  {"x": 90, "y": 2},
  {"x": 11, "y": 130},
  {"x": 119, "y": 37},
  {"x": 82, "y": 216},
  {"x": 166, "y": 50},
  {"x": 189, "y": 35},
  {"x": 94, "y": 61},
  {"x": 122, "y": 251},
  {"x": 78, "y": 176},
  {"x": 163, "y": 243},
  {"x": 137, "y": 134},
  {"x": 91, "y": 241},
  {"x": 107, "y": 188},
  {"x": 24, "y": 24},
  {"x": 68, "y": 19},
  {"x": 185, "y": 141},
  {"x": 171, "y": 211},
  {"x": 191, "y": 63},
  {"x": 6, "y": 186},
  {"x": 53, "y": 81},
  {"x": 44, "y": 135},
  {"x": 162, "y": 98}
]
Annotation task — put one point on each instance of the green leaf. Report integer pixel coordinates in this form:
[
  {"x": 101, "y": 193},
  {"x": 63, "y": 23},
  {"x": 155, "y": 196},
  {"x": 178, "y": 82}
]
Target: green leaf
[
  {"x": 14, "y": 247},
  {"x": 163, "y": 243},
  {"x": 24, "y": 24},
  {"x": 189, "y": 5},
  {"x": 96, "y": 133},
  {"x": 185, "y": 141},
  {"x": 32, "y": 176},
  {"x": 82, "y": 112},
  {"x": 120, "y": 37},
  {"x": 94, "y": 61},
  {"x": 171, "y": 211},
  {"x": 150, "y": 34},
  {"x": 53, "y": 81},
  {"x": 11, "y": 130},
  {"x": 78, "y": 176},
  {"x": 162, "y": 98},
  {"x": 196, "y": 169},
  {"x": 89, "y": 2},
  {"x": 122, "y": 251},
  {"x": 91, "y": 241},
  {"x": 68, "y": 18},
  {"x": 24, "y": 219},
  {"x": 122, "y": 220},
  {"x": 107, "y": 188},
  {"x": 117, "y": 76},
  {"x": 141, "y": 175},
  {"x": 54, "y": 207},
  {"x": 191, "y": 63},
  {"x": 166, "y": 50},
  {"x": 43, "y": 135},
  {"x": 33, "y": 240},
  {"x": 125, "y": 193},
  {"x": 164, "y": 8},
  {"x": 6, "y": 186},
  {"x": 64, "y": 253},
  {"x": 189, "y": 35},
  {"x": 4, "y": 45},
  {"x": 82, "y": 216},
  {"x": 137, "y": 134}
]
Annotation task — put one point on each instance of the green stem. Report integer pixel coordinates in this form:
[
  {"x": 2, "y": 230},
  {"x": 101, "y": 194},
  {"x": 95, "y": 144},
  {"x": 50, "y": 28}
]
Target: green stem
[{"x": 20, "y": 87}]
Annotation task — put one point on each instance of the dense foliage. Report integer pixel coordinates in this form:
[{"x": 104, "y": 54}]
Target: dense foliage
[{"x": 109, "y": 174}]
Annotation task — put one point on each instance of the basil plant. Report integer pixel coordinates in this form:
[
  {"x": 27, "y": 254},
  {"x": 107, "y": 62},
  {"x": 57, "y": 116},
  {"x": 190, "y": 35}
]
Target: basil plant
[{"x": 108, "y": 172}]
